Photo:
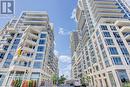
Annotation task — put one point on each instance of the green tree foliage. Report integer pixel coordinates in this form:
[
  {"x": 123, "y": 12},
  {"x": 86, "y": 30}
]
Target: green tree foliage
[
  {"x": 62, "y": 79},
  {"x": 55, "y": 78}
]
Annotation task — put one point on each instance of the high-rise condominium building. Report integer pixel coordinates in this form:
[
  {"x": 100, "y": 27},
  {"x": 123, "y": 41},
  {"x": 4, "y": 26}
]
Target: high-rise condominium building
[
  {"x": 27, "y": 51},
  {"x": 103, "y": 53}
]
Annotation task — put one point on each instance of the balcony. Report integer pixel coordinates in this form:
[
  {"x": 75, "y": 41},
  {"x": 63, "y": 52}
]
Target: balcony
[
  {"x": 11, "y": 29},
  {"x": 102, "y": 2},
  {"x": 36, "y": 17},
  {"x": 97, "y": 5},
  {"x": 22, "y": 58},
  {"x": 31, "y": 22},
  {"x": 127, "y": 37},
  {"x": 2, "y": 49},
  {"x": 33, "y": 36},
  {"x": 28, "y": 49},
  {"x": 106, "y": 10},
  {"x": 125, "y": 29},
  {"x": 5, "y": 42},
  {"x": 122, "y": 23},
  {"x": 82, "y": 21},
  {"x": 35, "y": 29},
  {"x": 8, "y": 36},
  {"x": 31, "y": 42},
  {"x": 36, "y": 13},
  {"x": 109, "y": 15},
  {"x": 19, "y": 68}
]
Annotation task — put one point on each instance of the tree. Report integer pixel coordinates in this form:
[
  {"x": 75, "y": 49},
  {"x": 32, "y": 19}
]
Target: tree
[
  {"x": 85, "y": 80},
  {"x": 54, "y": 78},
  {"x": 62, "y": 79}
]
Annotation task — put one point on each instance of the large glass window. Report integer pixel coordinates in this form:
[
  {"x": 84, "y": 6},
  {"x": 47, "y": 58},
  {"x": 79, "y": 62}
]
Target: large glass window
[
  {"x": 113, "y": 28},
  {"x": 16, "y": 41},
  {"x": 14, "y": 47},
  {"x": 2, "y": 77},
  {"x": 127, "y": 59},
  {"x": 109, "y": 41},
  {"x": 40, "y": 48},
  {"x": 124, "y": 51},
  {"x": 116, "y": 34},
  {"x": 113, "y": 51},
  {"x": 107, "y": 63},
  {"x": 104, "y": 27},
  {"x": 39, "y": 56},
  {"x": 122, "y": 76},
  {"x": 10, "y": 56},
  {"x": 117, "y": 60},
  {"x": 43, "y": 35},
  {"x": 2, "y": 55},
  {"x": 6, "y": 64},
  {"x": 37, "y": 64},
  {"x": 41, "y": 41},
  {"x": 106, "y": 34},
  {"x": 35, "y": 76},
  {"x": 112, "y": 80},
  {"x": 120, "y": 42},
  {"x": 19, "y": 35}
]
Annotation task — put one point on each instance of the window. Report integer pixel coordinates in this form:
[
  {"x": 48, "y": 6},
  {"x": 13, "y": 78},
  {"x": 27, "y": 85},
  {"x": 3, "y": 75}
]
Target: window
[
  {"x": 2, "y": 77},
  {"x": 6, "y": 64},
  {"x": 116, "y": 34},
  {"x": 104, "y": 27},
  {"x": 113, "y": 28},
  {"x": 124, "y": 51},
  {"x": 35, "y": 76},
  {"x": 113, "y": 51},
  {"x": 97, "y": 32},
  {"x": 106, "y": 34},
  {"x": 14, "y": 47},
  {"x": 2, "y": 55},
  {"x": 120, "y": 42},
  {"x": 40, "y": 48},
  {"x": 109, "y": 42},
  {"x": 101, "y": 46},
  {"x": 112, "y": 80},
  {"x": 117, "y": 60},
  {"x": 5, "y": 48},
  {"x": 37, "y": 65},
  {"x": 43, "y": 35},
  {"x": 41, "y": 41},
  {"x": 127, "y": 59},
  {"x": 107, "y": 63},
  {"x": 39, "y": 56},
  {"x": 122, "y": 76},
  {"x": 16, "y": 41},
  {"x": 19, "y": 35},
  {"x": 10, "y": 56}
]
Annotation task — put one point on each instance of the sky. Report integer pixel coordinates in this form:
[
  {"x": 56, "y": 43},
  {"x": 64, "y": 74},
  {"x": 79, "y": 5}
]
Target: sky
[{"x": 61, "y": 13}]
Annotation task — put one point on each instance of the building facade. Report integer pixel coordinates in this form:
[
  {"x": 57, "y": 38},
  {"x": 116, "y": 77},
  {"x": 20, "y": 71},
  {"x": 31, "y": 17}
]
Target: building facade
[
  {"x": 27, "y": 51},
  {"x": 104, "y": 54}
]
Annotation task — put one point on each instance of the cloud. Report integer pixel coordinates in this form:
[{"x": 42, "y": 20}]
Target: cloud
[
  {"x": 55, "y": 43},
  {"x": 73, "y": 15},
  {"x": 62, "y": 32},
  {"x": 56, "y": 53},
  {"x": 65, "y": 66},
  {"x": 65, "y": 58}
]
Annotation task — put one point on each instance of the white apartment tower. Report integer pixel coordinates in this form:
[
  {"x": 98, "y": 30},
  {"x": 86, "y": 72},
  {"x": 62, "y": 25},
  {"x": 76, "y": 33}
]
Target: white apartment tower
[
  {"x": 103, "y": 53},
  {"x": 27, "y": 51}
]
